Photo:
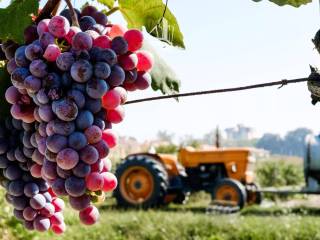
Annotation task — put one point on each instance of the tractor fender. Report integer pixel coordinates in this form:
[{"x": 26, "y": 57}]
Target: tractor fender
[{"x": 169, "y": 162}]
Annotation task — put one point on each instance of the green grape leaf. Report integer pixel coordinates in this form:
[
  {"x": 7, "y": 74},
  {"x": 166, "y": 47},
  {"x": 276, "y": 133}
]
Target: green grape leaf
[
  {"x": 294, "y": 3},
  {"x": 16, "y": 17},
  {"x": 148, "y": 13},
  {"x": 163, "y": 77},
  {"x": 108, "y": 3},
  {"x": 4, "y": 84}
]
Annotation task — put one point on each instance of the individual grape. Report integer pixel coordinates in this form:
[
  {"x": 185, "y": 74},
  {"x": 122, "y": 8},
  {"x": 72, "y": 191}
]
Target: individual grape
[
  {"x": 3, "y": 146},
  {"x": 79, "y": 86},
  {"x": 10, "y": 50},
  {"x": 18, "y": 153},
  {"x": 11, "y": 66},
  {"x": 18, "y": 76},
  {"x": 88, "y": 10},
  {"x": 4, "y": 162},
  {"x": 45, "y": 113},
  {"x": 73, "y": 31},
  {"x": 93, "y": 134},
  {"x": 81, "y": 170},
  {"x": 93, "y": 34},
  {"x": 50, "y": 156},
  {"x": 12, "y": 95},
  {"x": 59, "y": 26},
  {"x": 37, "y": 157},
  {"x": 45, "y": 39},
  {"x": 117, "y": 30},
  {"x": 38, "y": 68},
  {"x": 96, "y": 88},
  {"x": 30, "y": 34},
  {"x": 77, "y": 97},
  {"x": 37, "y": 202},
  {"x": 66, "y": 80},
  {"x": 29, "y": 214},
  {"x": 41, "y": 129},
  {"x": 41, "y": 223},
  {"x": 33, "y": 52},
  {"x": 67, "y": 158},
  {"x": 89, "y": 154},
  {"x": 82, "y": 41},
  {"x": 66, "y": 13},
  {"x": 19, "y": 203},
  {"x": 16, "y": 188},
  {"x": 42, "y": 97},
  {"x": 143, "y": 80},
  {"x": 63, "y": 128},
  {"x": 100, "y": 18},
  {"x": 119, "y": 45},
  {"x": 66, "y": 110},
  {"x": 58, "y": 204},
  {"x": 75, "y": 187},
  {"x": 52, "y": 80},
  {"x": 84, "y": 120},
  {"x": 109, "y": 181},
  {"x": 65, "y": 61},
  {"x": 145, "y": 61},
  {"x": 18, "y": 214},
  {"x": 63, "y": 173},
  {"x": 105, "y": 55},
  {"x": 58, "y": 187},
  {"x": 81, "y": 71},
  {"x": 134, "y": 38},
  {"x": 55, "y": 143},
  {"x": 128, "y": 61},
  {"x": 86, "y": 22},
  {"x": 123, "y": 94},
  {"x": 20, "y": 57},
  {"x": 93, "y": 105},
  {"x": 102, "y": 42},
  {"x": 35, "y": 170},
  {"x": 77, "y": 140},
  {"x": 59, "y": 229},
  {"x": 31, "y": 189},
  {"x": 89, "y": 215},
  {"x": 116, "y": 115},
  {"x": 102, "y": 148},
  {"x": 52, "y": 53},
  {"x": 111, "y": 99},
  {"x": 48, "y": 210},
  {"x": 13, "y": 172},
  {"x": 117, "y": 76},
  {"x": 42, "y": 26},
  {"x": 102, "y": 70},
  {"x": 94, "y": 181},
  {"x": 80, "y": 203},
  {"x": 49, "y": 169},
  {"x": 43, "y": 185},
  {"x": 110, "y": 137},
  {"x": 27, "y": 152},
  {"x": 32, "y": 84},
  {"x": 56, "y": 218}
]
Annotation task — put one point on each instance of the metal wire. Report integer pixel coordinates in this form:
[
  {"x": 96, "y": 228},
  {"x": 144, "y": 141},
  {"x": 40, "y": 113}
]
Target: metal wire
[{"x": 223, "y": 90}]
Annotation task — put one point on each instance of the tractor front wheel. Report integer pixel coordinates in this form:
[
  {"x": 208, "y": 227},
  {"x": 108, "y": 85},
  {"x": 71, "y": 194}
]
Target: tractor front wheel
[{"x": 229, "y": 192}]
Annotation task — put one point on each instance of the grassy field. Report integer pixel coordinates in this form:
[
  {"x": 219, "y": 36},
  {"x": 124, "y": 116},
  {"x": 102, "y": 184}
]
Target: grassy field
[{"x": 180, "y": 222}]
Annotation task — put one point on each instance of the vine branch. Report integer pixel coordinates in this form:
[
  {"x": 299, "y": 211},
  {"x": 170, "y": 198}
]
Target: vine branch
[
  {"x": 223, "y": 90},
  {"x": 73, "y": 14},
  {"x": 112, "y": 10},
  {"x": 47, "y": 10}
]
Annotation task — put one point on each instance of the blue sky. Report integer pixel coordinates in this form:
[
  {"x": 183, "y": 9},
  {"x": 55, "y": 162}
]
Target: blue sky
[{"x": 233, "y": 43}]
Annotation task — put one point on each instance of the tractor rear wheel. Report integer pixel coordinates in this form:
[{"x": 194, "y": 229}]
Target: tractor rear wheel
[
  {"x": 143, "y": 182},
  {"x": 229, "y": 192},
  {"x": 254, "y": 197}
]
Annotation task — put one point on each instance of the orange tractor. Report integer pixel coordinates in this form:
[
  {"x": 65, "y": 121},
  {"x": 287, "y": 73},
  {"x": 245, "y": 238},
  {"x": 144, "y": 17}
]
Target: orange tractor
[{"x": 150, "y": 180}]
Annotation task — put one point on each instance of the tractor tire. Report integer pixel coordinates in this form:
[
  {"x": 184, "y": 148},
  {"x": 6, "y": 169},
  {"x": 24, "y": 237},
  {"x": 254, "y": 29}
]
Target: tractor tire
[
  {"x": 230, "y": 191},
  {"x": 253, "y": 196},
  {"x": 143, "y": 182}
]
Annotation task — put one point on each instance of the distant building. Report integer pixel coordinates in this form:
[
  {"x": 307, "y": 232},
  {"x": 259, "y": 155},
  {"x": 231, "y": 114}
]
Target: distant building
[{"x": 240, "y": 132}]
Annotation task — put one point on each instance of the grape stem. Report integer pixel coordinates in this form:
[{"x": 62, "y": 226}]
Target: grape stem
[
  {"x": 47, "y": 10},
  {"x": 55, "y": 10},
  {"x": 112, "y": 10},
  {"x": 73, "y": 14}
]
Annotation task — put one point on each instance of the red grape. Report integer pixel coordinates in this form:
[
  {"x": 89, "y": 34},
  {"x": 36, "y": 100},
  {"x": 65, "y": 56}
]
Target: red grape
[
  {"x": 89, "y": 216},
  {"x": 109, "y": 181},
  {"x": 134, "y": 38},
  {"x": 116, "y": 115},
  {"x": 110, "y": 137},
  {"x": 94, "y": 181},
  {"x": 111, "y": 99}
]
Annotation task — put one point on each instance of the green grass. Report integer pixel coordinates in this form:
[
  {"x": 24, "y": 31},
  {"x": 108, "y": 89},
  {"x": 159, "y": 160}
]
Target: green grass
[{"x": 180, "y": 222}]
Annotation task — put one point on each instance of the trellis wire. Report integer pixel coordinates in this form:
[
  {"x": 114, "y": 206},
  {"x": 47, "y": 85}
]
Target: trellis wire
[{"x": 222, "y": 90}]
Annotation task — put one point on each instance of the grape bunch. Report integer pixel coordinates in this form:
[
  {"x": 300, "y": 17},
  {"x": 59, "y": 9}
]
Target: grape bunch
[
  {"x": 69, "y": 85},
  {"x": 33, "y": 202}
]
